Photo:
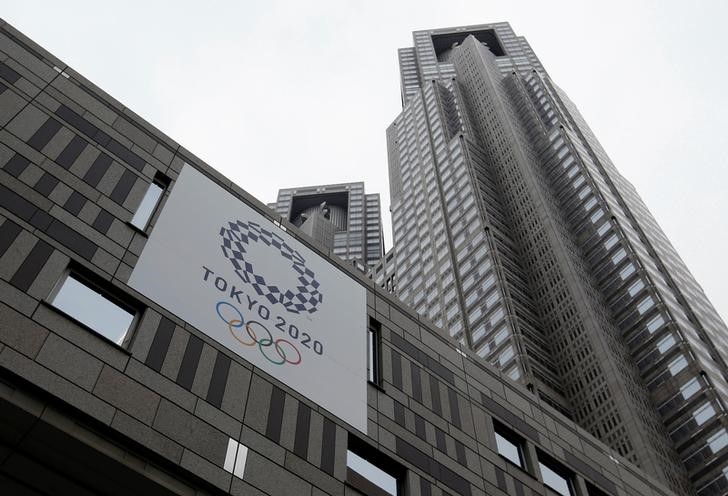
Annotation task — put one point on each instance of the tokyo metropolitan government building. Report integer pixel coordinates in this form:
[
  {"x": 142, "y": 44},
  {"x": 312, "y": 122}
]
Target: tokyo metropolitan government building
[
  {"x": 514, "y": 231},
  {"x": 164, "y": 332}
]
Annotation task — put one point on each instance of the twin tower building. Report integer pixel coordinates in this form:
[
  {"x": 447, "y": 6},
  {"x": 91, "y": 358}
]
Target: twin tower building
[
  {"x": 515, "y": 234},
  {"x": 531, "y": 331}
]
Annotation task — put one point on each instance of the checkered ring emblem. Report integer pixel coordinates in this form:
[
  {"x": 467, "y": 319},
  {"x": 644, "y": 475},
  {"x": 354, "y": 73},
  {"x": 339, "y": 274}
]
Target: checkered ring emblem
[{"x": 304, "y": 298}]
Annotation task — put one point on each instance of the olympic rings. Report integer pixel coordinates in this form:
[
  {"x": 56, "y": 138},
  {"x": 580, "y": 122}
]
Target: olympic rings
[{"x": 235, "y": 325}]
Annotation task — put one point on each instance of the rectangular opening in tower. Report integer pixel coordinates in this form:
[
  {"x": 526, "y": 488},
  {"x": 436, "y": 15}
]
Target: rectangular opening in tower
[
  {"x": 443, "y": 43},
  {"x": 336, "y": 205}
]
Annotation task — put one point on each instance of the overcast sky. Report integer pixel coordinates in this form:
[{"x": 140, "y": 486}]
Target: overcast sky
[{"x": 277, "y": 94}]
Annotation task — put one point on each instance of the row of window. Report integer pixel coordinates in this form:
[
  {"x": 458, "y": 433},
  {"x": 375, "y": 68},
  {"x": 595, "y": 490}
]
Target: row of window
[
  {"x": 111, "y": 317},
  {"x": 100, "y": 310},
  {"x": 512, "y": 447}
]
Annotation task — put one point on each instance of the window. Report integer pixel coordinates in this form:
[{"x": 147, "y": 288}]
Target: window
[
  {"x": 636, "y": 287},
  {"x": 373, "y": 351},
  {"x": 645, "y": 305},
  {"x": 665, "y": 343},
  {"x": 592, "y": 490},
  {"x": 718, "y": 441},
  {"x": 94, "y": 308},
  {"x": 555, "y": 475},
  {"x": 626, "y": 272},
  {"x": 509, "y": 444},
  {"x": 677, "y": 365},
  {"x": 371, "y": 472},
  {"x": 149, "y": 202},
  {"x": 703, "y": 413},
  {"x": 690, "y": 388},
  {"x": 655, "y": 323}
]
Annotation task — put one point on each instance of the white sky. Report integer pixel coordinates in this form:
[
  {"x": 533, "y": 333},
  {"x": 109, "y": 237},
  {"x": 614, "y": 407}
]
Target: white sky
[{"x": 278, "y": 94}]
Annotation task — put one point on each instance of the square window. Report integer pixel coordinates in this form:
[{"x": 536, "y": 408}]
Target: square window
[
  {"x": 95, "y": 308},
  {"x": 371, "y": 472},
  {"x": 555, "y": 475},
  {"x": 509, "y": 444}
]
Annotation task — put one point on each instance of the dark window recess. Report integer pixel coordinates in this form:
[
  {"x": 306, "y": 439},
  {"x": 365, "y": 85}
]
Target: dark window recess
[
  {"x": 150, "y": 202},
  {"x": 31, "y": 266},
  {"x": 440, "y": 440},
  {"x": 16, "y": 165},
  {"x": 76, "y": 121},
  {"x": 123, "y": 187},
  {"x": 8, "y": 74},
  {"x": 396, "y": 369},
  {"x": 510, "y": 419},
  {"x": 592, "y": 490},
  {"x": 45, "y": 184},
  {"x": 460, "y": 453},
  {"x": 454, "y": 407},
  {"x": 16, "y": 204},
  {"x": 9, "y": 230},
  {"x": 97, "y": 169},
  {"x": 160, "y": 344},
  {"x": 44, "y": 134},
  {"x": 374, "y": 351},
  {"x": 99, "y": 309},
  {"x": 420, "y": 427},
  {"x": 75, "y": 203},
  {"x": 218, "y": 381},
  {"x": 555, "y": 475},
  {"x": 425, "y": 487},
  {"x": 424, "y": 359},
  {"x": 303, "y": 427},
  {"x": 41, "y": 220},
  {"x": 2, "y": 88},
  {"x": 399, "y": 413},
  {"x": 509, "y": 444},
  {"x": 100, "y": 137},
  {"x": 71, "y": 239},
  {"x": 443, "y": 43},
  {"x": 69, "y": 154},
  {"x": 371, "y": 472},
  {"x": 435, "y": 396},
  {"x": 275, "y": 414},
  {"x": 415, "y": 375},
  {"x": 103, "y": 221},
  {"x": 190, "y": 361},
  {"x": 125, "y": 154},
  {"x": 328, "y": 446}
]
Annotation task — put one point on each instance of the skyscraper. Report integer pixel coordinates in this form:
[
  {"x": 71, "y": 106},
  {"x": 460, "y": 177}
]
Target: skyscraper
[
  {"x": 163, "y": 332},
  {"x": 515, "y": 232},
  {"x": 342, "y": 217}
]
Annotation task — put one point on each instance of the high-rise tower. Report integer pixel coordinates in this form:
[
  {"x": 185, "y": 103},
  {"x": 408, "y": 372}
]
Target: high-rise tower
[
  {"x": 514, "y": 232},
  {"x": 342, "y": 217}
]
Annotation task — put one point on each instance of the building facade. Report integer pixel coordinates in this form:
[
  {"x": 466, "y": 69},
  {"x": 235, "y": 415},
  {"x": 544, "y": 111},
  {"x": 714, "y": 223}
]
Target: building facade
[
  {"x": 343, "y": 217},
  {"x": 113, "y": 382},
  {"x": 515, "y": 232}
]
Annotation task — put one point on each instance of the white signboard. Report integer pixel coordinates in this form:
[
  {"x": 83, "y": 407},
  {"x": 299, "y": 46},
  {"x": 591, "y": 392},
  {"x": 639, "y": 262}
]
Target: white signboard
[{"x": 234, "y": 275}]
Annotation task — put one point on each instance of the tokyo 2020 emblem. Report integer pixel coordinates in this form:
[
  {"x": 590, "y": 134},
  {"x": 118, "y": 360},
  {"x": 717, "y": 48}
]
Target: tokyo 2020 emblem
[{"x": 237, "y": 237}]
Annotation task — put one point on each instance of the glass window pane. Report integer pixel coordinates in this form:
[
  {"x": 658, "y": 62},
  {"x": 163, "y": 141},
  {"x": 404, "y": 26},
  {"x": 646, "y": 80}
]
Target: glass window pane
[
  {"x": 690, "y": 388},
  {"x": 555, "y": 481},
  {"x": 93, "y": 309},
  {"x": 373, "y": 474},
  {"x": 718, "y": 441},
  {"x": 372, "y": 349},
  {"x": 147, "y": 206},
  {"x": 508, "y": 450}
]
